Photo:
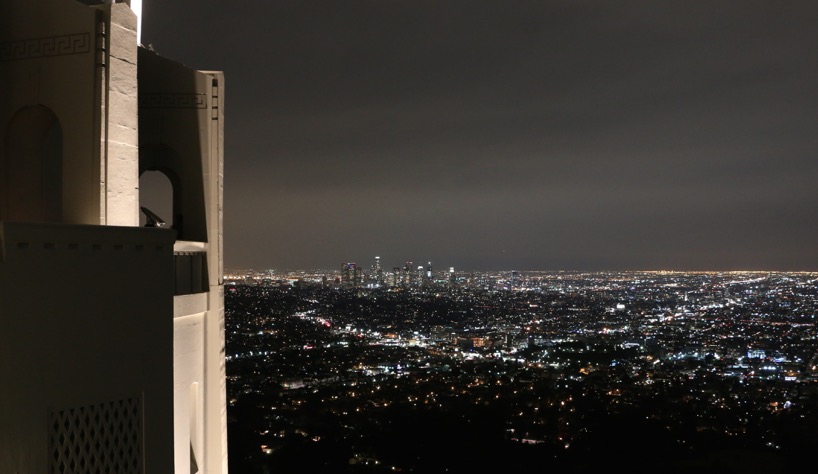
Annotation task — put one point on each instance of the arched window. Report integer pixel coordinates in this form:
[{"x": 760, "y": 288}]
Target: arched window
[
  {"x": 31, "y": 171},
  {"x": 156, "y": 194},
  {"x": 186, "y": 213}
]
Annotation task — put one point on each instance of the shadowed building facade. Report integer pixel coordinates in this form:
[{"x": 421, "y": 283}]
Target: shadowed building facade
[{"x": 111, "y": 333}]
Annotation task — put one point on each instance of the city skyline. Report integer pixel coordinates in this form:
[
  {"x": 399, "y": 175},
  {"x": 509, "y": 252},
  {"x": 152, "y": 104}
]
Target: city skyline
[{"x": 528, "y": 136}]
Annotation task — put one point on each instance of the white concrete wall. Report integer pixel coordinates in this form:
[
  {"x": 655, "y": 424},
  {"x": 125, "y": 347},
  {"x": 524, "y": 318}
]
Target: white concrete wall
[
  {"x": 54, "y": 59},
  {"x": 188, "y": 389},
  {"x": 182, "y": 132},
  {"x": 85, "y": 318},
  {"x": 48, "y": 42}
]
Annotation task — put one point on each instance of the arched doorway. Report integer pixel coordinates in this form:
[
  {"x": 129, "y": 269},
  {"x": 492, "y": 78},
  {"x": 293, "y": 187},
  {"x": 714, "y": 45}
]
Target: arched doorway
[{"x": 31, "y": 172}]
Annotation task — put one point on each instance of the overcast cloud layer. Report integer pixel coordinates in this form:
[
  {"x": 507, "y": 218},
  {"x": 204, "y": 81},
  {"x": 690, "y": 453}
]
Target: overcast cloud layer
[{"x": 498, "y": 135}]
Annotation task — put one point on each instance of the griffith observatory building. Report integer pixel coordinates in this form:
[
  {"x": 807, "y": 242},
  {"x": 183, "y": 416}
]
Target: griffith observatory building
[{"x": 111, "y": 317}]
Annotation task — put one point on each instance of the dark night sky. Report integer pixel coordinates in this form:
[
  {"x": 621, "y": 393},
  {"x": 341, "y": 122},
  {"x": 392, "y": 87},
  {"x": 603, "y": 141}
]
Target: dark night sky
[{"x": 497, "y": 135}]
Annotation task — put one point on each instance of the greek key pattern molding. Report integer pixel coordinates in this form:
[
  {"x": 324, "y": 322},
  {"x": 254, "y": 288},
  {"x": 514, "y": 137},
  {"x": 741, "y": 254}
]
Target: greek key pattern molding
[
  {"x": 172, "y": 101},
  {"x": 78, "y": 43}
]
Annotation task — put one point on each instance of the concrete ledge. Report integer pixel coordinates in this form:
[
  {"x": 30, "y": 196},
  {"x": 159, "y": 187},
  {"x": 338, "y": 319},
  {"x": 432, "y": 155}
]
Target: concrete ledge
[
  {"x": 189, "y": 246},
  {"x": 186, "y": 305},
  {"x": 28, "y": 236}
]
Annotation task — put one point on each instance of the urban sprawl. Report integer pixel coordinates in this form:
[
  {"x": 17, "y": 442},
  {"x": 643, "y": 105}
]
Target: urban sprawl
[{"x": 415, "y": 370}]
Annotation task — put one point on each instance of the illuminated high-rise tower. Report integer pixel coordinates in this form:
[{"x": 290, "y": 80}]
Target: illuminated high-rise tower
[
  {"x": 515, "y": 280},
  {"x": 111, "y": 333},
  {"x": 408, "y": 274},
  {"x": 350, "y": 274},
  {"x": 376, "y": 268},
  {"x": 396, "y": 276}
]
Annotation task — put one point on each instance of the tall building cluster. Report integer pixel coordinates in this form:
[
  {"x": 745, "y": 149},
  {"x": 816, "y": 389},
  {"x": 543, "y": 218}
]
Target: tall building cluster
[{"x": 406, "y": 276}]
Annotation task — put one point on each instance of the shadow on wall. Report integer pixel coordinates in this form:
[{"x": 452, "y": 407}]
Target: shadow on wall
[{"x": 32, "y": 169}]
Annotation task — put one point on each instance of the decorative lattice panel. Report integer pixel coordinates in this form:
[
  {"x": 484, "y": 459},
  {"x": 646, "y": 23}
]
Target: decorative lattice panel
[{"x": 97, "y": 439}]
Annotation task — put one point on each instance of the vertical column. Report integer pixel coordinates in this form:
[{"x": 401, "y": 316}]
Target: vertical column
[
  {"x": 216, "y": 394},
  {"x": 121, "y": 163}
]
